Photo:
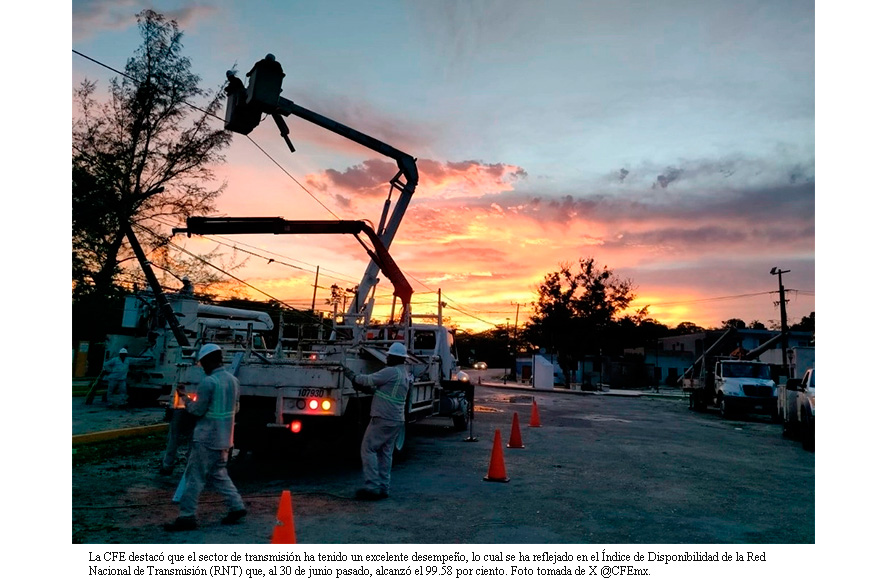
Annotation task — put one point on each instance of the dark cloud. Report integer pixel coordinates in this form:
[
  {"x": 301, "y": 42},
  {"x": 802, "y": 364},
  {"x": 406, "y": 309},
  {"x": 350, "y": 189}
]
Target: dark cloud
[
  {"x": 92, "y": 16},
  {"x": 366, "y": 178},
  {"x": 669, "y": 176},
  {"x": 791, "y": 203},
  {"x": 343, "y": 201},
  {"x": 723, "y": 237},
  {"x": 437, "y": 170}
]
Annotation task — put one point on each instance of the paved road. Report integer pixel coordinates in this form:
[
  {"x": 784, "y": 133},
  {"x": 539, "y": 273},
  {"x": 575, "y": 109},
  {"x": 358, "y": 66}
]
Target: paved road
[{"x": 601, "y": 469}]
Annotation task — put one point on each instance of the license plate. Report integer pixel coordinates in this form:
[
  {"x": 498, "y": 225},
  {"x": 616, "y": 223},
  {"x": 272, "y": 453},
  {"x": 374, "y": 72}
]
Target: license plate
[{"x": 312, "y": 392}]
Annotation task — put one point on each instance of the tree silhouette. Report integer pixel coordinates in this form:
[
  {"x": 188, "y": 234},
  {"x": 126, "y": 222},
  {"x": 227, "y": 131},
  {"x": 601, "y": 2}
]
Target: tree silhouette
[
  {"x": 143, "y": 155},
  {"x": 575, "y": 313}
]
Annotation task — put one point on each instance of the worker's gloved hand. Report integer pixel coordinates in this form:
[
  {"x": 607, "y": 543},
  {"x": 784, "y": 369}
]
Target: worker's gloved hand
[{"x": 350, "y": 375}]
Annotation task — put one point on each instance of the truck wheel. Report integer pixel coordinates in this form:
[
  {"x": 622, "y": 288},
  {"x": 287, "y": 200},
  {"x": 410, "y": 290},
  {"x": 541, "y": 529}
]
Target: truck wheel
[
  {"x": 137, "y": 397},
  {"x": 808, "y": 434},
  {"x": 724, "y": 408}
]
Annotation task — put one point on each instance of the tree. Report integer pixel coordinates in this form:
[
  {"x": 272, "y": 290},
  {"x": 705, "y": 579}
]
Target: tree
[
  {"x": 687, "y": 328},
  {"x": 141, "y": 156},
  {"x": 807, "y": 324},
  {"x": 575, "y": 312},
  {"x": 137, "y": 157},
  {"x": 733, "y": 323}
]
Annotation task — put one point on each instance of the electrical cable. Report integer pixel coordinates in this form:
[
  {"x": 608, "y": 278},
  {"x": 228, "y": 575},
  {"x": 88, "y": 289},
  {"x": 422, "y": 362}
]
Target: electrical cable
[{"x": 272, "y": 159}]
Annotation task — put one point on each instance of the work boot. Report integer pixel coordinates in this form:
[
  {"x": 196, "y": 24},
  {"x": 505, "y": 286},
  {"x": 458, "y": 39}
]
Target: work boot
[
  {"x": 181, "y": 524},
  {"x": 234, "y": 517},
  {"x": 368, "y": 495}
]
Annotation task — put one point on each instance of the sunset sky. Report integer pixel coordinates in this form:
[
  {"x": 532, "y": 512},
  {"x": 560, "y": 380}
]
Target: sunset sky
[{"x": 672, "y": 141}]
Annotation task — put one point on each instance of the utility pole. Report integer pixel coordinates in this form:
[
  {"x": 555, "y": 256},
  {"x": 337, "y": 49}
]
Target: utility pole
[
  {"x": 783, "y": 319},
  {"x": 314, "y": 297}
]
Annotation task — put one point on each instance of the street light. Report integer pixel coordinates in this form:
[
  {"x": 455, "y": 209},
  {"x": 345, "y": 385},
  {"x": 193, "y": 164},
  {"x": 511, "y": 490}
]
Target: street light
[{"x": 783, "y": 319}]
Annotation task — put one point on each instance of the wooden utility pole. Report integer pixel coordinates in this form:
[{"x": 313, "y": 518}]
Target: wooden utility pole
[
  {"x": 314, "y": 297},
  {"x": 783, "y": 319}
]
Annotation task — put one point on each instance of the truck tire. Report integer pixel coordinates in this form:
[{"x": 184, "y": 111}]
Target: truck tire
[
  {"x": 142, "y": 397},
  {"x": 724, "y": 408},
  {"x": 808, "y": 433}
]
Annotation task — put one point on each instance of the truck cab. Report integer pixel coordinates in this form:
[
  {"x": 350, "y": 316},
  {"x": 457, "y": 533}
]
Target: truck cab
[{"x": 744, "y": 386}]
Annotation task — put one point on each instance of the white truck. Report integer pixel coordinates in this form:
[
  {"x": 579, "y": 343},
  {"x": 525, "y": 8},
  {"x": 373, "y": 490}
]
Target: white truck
[
  {"x": 733, "y": 386},
  {"x": 297, "y": 388},
  {"x": 157, "y": 361},
  {"x": 800, "y": 360},
  {"x": 799, "y": 411}
]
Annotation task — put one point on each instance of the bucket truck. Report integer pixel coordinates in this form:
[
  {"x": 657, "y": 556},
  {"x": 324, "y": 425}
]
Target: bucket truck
[{"x": 297, "y": 389}]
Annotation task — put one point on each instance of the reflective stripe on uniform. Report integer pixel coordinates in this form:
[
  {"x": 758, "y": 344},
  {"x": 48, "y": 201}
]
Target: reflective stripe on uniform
[
  {"x": 392, "y": 398},
  {"x": 219, "y": 407}
]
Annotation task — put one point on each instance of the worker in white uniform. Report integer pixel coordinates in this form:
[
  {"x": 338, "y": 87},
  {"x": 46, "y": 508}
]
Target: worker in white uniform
[
  {"x": 115, "y": 370},
  {"x": 390, "y": 387},
  {"x": 215, "y": 406}
]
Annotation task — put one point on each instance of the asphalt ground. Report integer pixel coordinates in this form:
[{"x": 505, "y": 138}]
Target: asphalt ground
[{"x": 604, "y": 468}]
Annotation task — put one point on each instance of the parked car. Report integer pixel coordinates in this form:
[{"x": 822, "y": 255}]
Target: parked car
[{"x": 480, "y": 365}]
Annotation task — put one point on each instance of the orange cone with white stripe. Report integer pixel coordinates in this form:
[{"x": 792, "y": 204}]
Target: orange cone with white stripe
[
  {"x": 284, "y": 532},
  {"x": 536, "y": 419},
  {"x": 496, "y": 462}
]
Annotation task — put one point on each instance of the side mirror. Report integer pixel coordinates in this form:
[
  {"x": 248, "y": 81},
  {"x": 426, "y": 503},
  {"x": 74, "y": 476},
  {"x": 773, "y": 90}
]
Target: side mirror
[{"x": 793, "y": 384}]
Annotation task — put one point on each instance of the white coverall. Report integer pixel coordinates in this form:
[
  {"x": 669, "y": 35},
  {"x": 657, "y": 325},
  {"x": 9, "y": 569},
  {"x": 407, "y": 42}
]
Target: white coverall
[
  {"x": 217, "y": 399},
  {"x": 115, "y": 371},
  {"x": 390, "y": 386}
]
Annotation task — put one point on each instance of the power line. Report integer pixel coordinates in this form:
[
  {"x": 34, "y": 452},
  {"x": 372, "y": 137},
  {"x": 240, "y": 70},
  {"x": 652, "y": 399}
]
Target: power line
[
  {"x": 305, "y": 189},
  {"x": 210, "y": 114},
  {"x": 286, "y": 172},
  {"x": 720, "y": 298}
]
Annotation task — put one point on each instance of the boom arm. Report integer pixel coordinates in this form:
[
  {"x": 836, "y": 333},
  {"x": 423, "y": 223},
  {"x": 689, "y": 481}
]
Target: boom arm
[
  {"x": 274, "y": 225},
  {"x": 245, "y": 106}
]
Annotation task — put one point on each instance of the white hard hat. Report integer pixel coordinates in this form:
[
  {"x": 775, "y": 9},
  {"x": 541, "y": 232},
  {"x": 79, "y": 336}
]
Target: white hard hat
[
  {"x": 122, "y": 351},
  {"x": 398, "y": 349},
  {"x": 206, "y": 350}
]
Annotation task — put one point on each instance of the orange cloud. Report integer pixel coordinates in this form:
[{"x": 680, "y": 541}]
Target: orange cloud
[{"x": 476, "y": 232}]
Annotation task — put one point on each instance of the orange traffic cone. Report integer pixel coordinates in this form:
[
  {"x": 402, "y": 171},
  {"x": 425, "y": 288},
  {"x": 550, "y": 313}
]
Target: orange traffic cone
[
  {"x": 284, "y": 532},
  {"x": 516, "y": 440},
  {"x": 536, "y": 419},
  {"x": 496, "y": 462}
]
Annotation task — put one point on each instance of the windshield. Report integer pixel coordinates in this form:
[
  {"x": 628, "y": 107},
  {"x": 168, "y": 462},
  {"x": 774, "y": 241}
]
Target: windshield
[{"x": 746, "y": 370}]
